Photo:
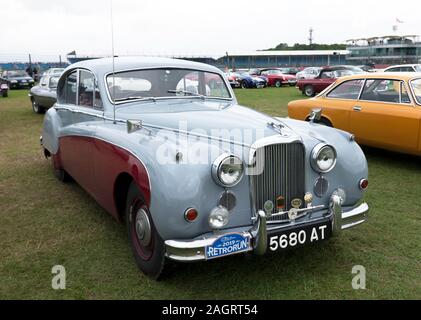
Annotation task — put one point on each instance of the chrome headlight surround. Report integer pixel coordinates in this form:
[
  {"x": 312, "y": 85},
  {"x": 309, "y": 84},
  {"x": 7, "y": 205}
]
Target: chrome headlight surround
[
  {"x": 227, "y": 166},
  {"x": 317, "y": 154}
]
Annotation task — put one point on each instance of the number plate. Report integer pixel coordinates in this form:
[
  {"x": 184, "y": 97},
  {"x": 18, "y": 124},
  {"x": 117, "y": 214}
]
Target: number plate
[
  {"x": 228, "y": 244},
  {"x": 299, "y": 236}
]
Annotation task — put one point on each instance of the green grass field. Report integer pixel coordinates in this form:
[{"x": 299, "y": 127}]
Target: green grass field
[{"x": 45, "y": 223}]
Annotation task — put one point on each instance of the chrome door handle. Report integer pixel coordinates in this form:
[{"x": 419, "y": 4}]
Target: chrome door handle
[{"x": 357, "y": 108}]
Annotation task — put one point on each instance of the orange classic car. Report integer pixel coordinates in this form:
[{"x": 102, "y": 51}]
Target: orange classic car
[{"x": 382, "y": 110}]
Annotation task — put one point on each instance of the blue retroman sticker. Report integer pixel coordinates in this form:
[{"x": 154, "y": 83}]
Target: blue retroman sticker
[{"x": 228, "y": 244}]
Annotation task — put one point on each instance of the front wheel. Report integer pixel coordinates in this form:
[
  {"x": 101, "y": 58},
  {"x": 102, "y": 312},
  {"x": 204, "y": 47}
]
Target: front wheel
[
  {"x": 278, "y": 83},
  {"x": 309, "y": 91},
  {"x": 147, "y": 246}
]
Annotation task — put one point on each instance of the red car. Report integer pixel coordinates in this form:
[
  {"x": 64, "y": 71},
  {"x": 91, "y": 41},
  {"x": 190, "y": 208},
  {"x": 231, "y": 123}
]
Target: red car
[
  {"x": 324, "y": 79},
  {"x": 277, "y": 78}
]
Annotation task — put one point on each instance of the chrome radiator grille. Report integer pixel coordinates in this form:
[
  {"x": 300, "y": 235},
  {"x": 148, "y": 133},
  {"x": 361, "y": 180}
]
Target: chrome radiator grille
[{"x": 282, "y": 175}]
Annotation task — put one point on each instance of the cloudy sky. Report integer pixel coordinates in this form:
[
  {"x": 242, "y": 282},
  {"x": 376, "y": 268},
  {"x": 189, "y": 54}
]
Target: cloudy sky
[{"x": 48, "y": 28}]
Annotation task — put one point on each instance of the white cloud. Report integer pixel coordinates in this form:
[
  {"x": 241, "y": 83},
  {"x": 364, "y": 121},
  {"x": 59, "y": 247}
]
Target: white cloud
[{"x": 51, "y": 27}]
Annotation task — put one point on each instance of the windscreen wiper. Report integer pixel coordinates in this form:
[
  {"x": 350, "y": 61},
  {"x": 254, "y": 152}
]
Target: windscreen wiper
[
  {"x": 135, "y": 98},
  {"x": 191, "y": 93}
]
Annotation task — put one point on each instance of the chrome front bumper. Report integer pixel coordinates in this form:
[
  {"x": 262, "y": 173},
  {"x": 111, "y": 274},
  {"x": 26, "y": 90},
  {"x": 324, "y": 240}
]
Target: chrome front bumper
[{"x": 194, "y": 250}]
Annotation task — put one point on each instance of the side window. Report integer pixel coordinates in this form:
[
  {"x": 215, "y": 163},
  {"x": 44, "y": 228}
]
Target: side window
[
  {"x": 327, "y": 75},
  {"x": 86, "y": 89},
  {"x": 407, "y": 69},
  {"x": 70, "y": 88},
  {"x": 347, "y": 90},
  {"x": 382, "y": 90},
  {"x": 393, "y": 70}
]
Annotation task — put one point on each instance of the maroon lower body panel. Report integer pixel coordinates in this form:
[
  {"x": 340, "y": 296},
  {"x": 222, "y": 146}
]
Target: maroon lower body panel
[{"x": 96, "y": 165}]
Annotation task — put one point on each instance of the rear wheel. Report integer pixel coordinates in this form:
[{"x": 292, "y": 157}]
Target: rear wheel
[
  {"x": 309, "y": 91},
  {"x": 147, "y": 246},
  {"x": 36, "y": 107},
  {"x": 59, "y": 172},
  {"x": 278, "y": 83},
  {"x": 244, "y": 84}
]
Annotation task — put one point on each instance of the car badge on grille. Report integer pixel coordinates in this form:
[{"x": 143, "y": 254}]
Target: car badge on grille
[
  {"x": 293, "y": 214},
  {"x": 280, "y": 203},
  {"x": 296, "y": 203},
  {"x": 268, "y": 206}
]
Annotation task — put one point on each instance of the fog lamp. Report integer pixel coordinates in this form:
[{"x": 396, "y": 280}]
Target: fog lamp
[
  {"x": 218, "y": 217},
  {"x": 341, "y": 194}
]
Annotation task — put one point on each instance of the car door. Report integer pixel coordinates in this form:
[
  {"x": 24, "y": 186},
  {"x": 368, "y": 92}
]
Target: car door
[
  {"x": 325, "y": 79},
  {"x": 338, "y": 102},
  {"x": 385, "y": 116},
  {"x": 77, "y": 109}
]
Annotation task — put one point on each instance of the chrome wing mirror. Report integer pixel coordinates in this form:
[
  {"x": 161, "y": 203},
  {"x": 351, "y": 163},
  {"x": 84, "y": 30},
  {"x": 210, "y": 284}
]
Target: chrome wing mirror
[
  {"x": 134, "y": 125},
  {"x": 315, "y": 115}
]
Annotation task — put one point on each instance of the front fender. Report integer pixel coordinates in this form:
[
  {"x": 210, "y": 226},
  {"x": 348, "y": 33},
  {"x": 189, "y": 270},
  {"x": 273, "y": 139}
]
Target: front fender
[
  {"x": 177, "y": 186},
  {"x": 51, "y": 130}
]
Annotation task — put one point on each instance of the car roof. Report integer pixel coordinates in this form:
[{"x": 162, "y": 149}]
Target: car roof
[
  {"x": 404, "y": 76},
  {"x": 404, "y": 65},
  {"x": 105, "y": 65}
]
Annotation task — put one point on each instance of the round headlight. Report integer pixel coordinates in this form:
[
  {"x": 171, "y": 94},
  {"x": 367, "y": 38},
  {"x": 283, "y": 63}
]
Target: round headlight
[
  {"x": 219, "y": 217},
  {"x": 323, "y": 158},
  {"x": 227, "y": 170}
]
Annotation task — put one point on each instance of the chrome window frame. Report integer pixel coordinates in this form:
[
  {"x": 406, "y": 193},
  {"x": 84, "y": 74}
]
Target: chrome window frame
[
  {"x": 334, "y": 85},
  {"x": 412, "y": 90},
  {"x": 227, "y": 85},
  {"x": 96, "y": 86}
]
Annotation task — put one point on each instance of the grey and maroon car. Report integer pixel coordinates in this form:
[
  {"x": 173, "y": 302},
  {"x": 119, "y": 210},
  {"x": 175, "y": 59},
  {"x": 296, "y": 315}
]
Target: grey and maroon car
[{"x": 194, "y": 175}]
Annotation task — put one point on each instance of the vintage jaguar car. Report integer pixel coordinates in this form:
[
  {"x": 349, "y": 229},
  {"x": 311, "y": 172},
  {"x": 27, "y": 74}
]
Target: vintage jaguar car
[
  {"x": 194, "y": 175},
  {"x": 44, "y": 95}
]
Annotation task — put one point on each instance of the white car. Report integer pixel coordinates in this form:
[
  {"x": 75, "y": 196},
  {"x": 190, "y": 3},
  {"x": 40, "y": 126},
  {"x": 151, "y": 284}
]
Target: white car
[
  {"x": 404, "y": 68},
  {"x": 308, "y": 73}
]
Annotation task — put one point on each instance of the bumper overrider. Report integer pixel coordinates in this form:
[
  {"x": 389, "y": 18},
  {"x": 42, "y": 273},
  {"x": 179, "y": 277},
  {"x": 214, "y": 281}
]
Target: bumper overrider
[{"x": 195, "y": 250}]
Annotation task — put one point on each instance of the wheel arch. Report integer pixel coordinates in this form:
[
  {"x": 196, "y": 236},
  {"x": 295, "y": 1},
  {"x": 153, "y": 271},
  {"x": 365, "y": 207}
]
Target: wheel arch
[
  {"x": 120, "y": 190},
  {"x": 323, "y": 117}
]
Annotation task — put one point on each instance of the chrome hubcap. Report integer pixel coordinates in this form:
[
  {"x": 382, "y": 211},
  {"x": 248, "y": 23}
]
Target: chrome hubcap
[{"x": 143, "y": 228}]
